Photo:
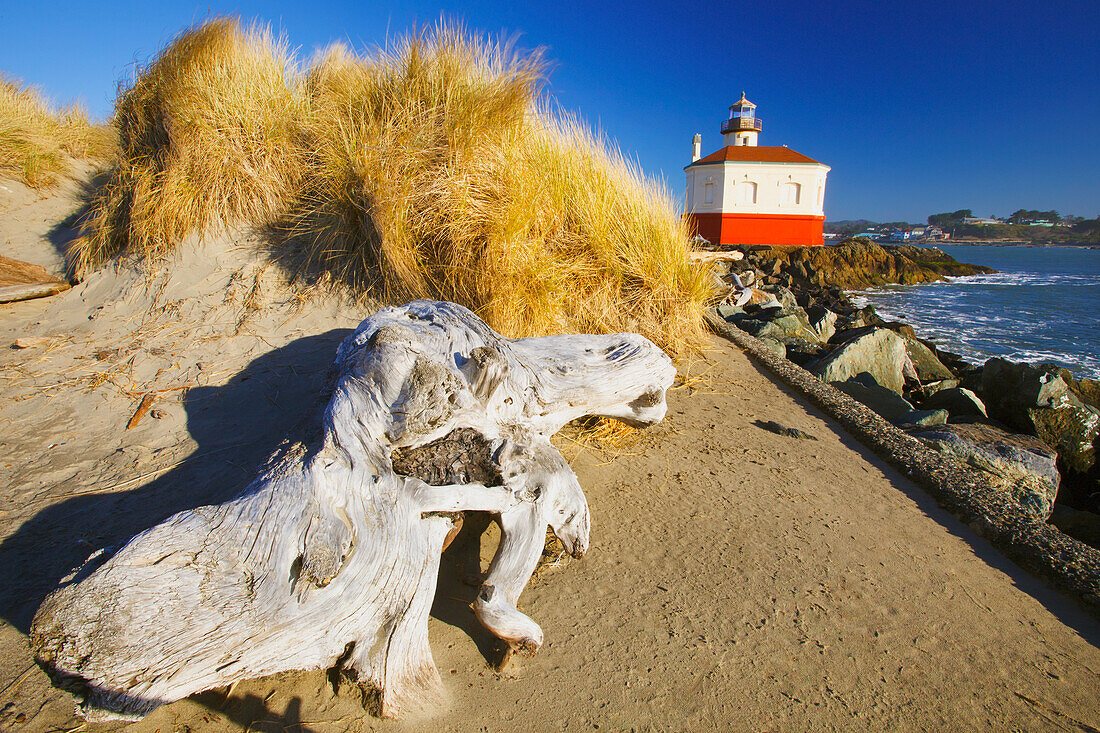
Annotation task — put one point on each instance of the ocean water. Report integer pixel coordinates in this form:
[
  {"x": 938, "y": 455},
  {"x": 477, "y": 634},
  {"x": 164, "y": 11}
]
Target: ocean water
[{"x": 1043, "y": 305}]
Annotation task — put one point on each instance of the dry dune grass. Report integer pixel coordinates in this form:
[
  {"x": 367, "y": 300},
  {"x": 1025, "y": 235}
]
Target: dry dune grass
[
  {"x": 37, "y": 141},
  {"x": 207, "y": 136},
  {"x": 432, "y": 168}
]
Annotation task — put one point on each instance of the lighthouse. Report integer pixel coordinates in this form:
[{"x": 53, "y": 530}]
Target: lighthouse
[{"x": 748, "y": 193}]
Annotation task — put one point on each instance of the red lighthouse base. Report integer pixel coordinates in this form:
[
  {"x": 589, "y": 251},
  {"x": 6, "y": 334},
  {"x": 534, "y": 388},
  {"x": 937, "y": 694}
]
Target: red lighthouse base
[{"x": 758, "y": 228}]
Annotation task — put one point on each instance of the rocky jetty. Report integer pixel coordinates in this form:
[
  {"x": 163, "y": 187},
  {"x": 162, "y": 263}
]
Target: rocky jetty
[
  {"x": 853, "y": 264},
  {"x": 1034, "y": 430}
]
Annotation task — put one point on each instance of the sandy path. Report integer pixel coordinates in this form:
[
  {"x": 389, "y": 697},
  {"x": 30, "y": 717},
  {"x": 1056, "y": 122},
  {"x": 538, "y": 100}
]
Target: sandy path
[
  {"x": 738, "y": 579},
  {"x": 741, "y": 579}
]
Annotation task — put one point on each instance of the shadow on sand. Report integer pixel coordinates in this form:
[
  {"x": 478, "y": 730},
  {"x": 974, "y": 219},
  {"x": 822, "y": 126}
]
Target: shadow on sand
[
  {"x": 278, "y": 396},
  {"x": 1065, "y": 609},
  {"x": 237, "y": 426}
]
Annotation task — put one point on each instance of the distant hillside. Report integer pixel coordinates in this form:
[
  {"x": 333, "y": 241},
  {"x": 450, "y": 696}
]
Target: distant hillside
[
  {"x": 851, "y": 227},
  {"x": 1086, "y": 232}
]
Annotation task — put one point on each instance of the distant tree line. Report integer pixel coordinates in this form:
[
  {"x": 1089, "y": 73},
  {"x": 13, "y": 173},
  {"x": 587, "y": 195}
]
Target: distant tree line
[
  {"x": 1020, "y": 216},
  {"x": 1017, "y": 227},
  {"x": 1023, "y": 216},
  {"x": 951, "y": 219}
]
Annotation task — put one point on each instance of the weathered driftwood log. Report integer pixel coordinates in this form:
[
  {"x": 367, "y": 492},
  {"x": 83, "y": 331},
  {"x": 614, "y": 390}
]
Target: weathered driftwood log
[
  {"x": 330, "y": 557},
  {"x": 22, "y": 281}
]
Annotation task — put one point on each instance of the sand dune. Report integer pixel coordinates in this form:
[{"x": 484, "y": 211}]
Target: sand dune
[{"x": 738, "y": 579}]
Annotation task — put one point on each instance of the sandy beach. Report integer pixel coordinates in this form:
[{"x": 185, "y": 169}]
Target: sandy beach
[{"x": 737, "y": 579}]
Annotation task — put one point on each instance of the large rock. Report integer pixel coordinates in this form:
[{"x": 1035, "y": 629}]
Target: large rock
[
  {"x": 932, "y": 388},
  {"x": 958, "y": 401},
  {"x": 1038, "y": 401},
  {"x": 1072, "y": 429},
  {"x": 922, "y": 418},
  {"x": 788, "y": 322},
  {"x": 858, "y": 318},
  {"x": 803, "y": 352},
  {"x": 1021, "y": 464},
  {"x": 877, "y": 351},
  {"x": 857, "y": 263},
  {"x": 929, "y": 368},
  {"x": 1087, "y": 390},
  {"x": 775, "y": 346},
  {"x": 729, "y": 311},
  {"x": 886, "y": 402},
  {"x": 1084, "y": 526},
  {"x": 822, "y": 321}
]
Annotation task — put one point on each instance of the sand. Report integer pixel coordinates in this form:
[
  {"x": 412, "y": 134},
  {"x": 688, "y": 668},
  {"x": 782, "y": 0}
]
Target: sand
[{"x": 737, "y": 578}]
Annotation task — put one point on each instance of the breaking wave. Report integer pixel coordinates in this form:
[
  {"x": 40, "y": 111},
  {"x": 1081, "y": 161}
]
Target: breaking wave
[{"x": 1043, "y": 306}]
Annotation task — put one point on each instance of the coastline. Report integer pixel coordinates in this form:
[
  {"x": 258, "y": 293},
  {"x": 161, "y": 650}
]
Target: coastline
[
  {"x": 1043, "y": 305},
  {"x": 961, "y": 406},
  {"x": 1012, "y": 243},
  {"x": 735, "y": 573},
  {"x": 1070, "y": 565}
]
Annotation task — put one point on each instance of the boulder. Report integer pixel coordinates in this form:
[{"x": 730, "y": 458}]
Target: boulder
[
  {"x": 1072, "y": 429},
  {"x": 785, "y": 297},
  {"x": 764, "y": 306},
  {"x": 775, "y": 346},
  {"x": 1010, "y": 390},
  {"x": 970, "y": 377},
  {"x": 802, "y": 352},
  {"x": 859, "y": 318},
  {"x": 729, "y": 311},
  {"x": 958, "y": 401},
  {"x": 779, "y": 324},
  {"x": 1021, "y": 464},
  {"x": 877, "y": 351},
  {"x": 822, "y": 321},
  {"x": 1038, "y": 401},
  {"x": 923, "y": 418},
  {"x": 863, "y": 388},
  {"x": 932, "y": 388},
  {"x": 1084, "y": 526},
  {"x": 1086, "y": 390},
  {"x": 761, "y": 329},
  {"x": 929, "y": 368}
]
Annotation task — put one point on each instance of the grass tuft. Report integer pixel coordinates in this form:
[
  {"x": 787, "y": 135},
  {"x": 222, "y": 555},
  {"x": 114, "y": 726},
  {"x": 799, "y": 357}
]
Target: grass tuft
[
  {"x": 37, "y": 142},
  {"x": 431, "y": 168},
  {"x": 207, "y": 136}
]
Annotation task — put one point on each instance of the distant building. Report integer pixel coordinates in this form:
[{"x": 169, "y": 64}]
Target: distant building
[
  {"x": 751, "y": 194},
  {"x": 979, "y": 220}
]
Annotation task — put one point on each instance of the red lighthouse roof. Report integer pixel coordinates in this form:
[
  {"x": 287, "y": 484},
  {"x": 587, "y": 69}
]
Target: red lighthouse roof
[{"x": 755, "y": 154}]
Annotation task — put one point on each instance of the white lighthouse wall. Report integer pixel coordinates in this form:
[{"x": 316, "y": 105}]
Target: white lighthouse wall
[{"x": 780, "y": 188}]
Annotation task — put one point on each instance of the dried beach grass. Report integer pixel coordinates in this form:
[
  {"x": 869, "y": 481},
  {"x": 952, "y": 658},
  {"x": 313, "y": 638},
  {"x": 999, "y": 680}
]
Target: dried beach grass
[
  {"x": 207, "y": 136},
  {"x": 36, "y": 141},
  {"x": 432, "y": 168}
]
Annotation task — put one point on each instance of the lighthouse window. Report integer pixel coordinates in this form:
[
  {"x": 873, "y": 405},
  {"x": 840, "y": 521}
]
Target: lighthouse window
[
  {"x": 791, "y": 194},
  {"x": 746, "y": 192},
  {"x": 708, "y": 193}
]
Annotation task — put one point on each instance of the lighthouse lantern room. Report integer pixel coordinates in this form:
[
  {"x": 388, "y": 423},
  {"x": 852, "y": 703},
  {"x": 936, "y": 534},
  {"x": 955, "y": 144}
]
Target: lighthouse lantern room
[{"x": 747, "y": 193}]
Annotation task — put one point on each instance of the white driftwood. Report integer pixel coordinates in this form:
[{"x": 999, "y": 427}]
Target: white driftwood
[
  {"x": 330, "y": 557},
  {"x": 706, "y": 256}
]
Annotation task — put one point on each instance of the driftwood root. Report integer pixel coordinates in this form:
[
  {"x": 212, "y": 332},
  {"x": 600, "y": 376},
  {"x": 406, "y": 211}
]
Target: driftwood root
[{"x": 329, "y": 559}]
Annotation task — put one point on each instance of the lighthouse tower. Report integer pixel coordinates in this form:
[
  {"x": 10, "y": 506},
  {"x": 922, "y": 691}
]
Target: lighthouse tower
[
  {"x": 742, "y": 128},
  {"x": 747, "y": 193}
]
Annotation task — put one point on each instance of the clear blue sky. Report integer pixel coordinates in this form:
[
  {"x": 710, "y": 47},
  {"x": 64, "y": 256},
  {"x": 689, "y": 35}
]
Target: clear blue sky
[{"x": 919, "y": 107}]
